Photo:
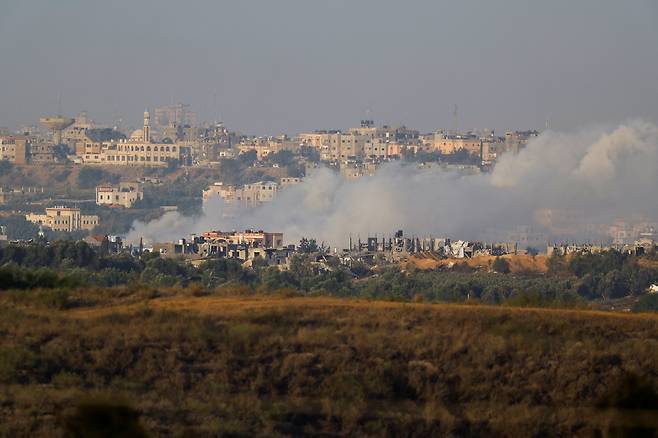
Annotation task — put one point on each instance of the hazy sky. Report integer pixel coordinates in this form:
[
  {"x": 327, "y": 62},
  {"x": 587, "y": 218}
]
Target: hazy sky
[{"x": 286, "y": 66}]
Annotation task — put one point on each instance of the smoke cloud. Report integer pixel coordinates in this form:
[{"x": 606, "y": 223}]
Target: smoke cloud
[{"x": 584, "y": 179}]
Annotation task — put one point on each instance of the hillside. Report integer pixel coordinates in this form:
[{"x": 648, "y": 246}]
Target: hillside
[
  {"x": 519, "y": 264},
  {"x": 212, "y": 365}
]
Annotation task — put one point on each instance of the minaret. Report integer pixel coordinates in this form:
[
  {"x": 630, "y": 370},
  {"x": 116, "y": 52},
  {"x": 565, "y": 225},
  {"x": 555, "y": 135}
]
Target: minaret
[{"x": 147, "y": 126}]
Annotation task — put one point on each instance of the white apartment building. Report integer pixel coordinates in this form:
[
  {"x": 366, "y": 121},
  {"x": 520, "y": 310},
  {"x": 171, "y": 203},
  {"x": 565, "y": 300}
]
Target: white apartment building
[{"x": 124, "y": 195}]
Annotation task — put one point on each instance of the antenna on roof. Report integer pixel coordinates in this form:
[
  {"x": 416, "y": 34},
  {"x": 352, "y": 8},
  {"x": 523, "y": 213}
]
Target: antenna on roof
[
  {"x": 455, "y": 118},
  {"x": 216, "y": 107},
  {"x": 59, "y": 104}
]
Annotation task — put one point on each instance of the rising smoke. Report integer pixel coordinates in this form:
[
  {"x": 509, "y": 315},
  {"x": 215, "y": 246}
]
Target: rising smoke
[{"x": 596, "y": 175}]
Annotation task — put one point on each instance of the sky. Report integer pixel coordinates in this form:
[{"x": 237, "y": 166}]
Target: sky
[{"x": 285, "y": 66}]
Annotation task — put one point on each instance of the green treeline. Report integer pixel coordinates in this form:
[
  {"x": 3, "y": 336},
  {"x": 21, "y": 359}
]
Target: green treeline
[{"x": 570, "y": 282}]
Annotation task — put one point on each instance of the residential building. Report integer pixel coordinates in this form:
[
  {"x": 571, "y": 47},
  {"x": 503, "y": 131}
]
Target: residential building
[
  {"x": 77, "y": 132},
  {"x": 365, "y": 141},
  {"x": 517, "y": 140},
  {"x": 265, "y": 146},
  {"x": 255, "y": 194},
  {"x": 125, "y": 194},
  {"x": 449, "y": 144},
  {"x": 225, "y": 192},
  {"x": 64, "y": 219},
  {"x": 14, "y": 149},
  {"x": 42, "y": 152},
  {"x": 249, "y": 195}
]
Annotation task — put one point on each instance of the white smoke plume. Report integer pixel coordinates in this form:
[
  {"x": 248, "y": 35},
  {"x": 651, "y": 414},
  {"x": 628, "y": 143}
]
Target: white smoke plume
[{"x": 600, "y": 174}]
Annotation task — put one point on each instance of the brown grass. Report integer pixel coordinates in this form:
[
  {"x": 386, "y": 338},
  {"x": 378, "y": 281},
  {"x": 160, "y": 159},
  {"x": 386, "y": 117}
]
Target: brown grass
[
  {"x": 210, "y": 365},
  {"x": 647, "y": 263}
]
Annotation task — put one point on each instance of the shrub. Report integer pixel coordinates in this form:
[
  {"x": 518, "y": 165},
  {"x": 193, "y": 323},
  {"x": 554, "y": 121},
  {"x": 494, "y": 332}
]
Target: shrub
[
  {"x": 501, "y": 266},
  {"x": 647, "y": 303}
]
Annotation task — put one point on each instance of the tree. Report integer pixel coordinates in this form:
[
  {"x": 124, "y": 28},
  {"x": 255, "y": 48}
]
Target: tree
[
  {"x": 248, "y": 158},
  {"x": 295, "y": 170},
  {"x": 282, "y": 158},
  {"x": 532, "y": 251},
  {"x": 310, "y": 153},
  {"x": 612, "y": 285},
  {"x": 647, "y": 303},
  {"x": 307, "y": 246},
  {"x": 557, "y": 264},
  {"x": 230, "y": 171},
  {"x": 5, "y": 166},
  {"x": 61, "y": 152},
  {"x": 501, "y": 266},
  {"x": 18, "y": 228}
]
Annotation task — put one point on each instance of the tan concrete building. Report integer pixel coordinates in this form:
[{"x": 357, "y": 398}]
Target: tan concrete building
[
  {"x": 335, "y": 145},
  {"x": 64, "y": 219},
  {"x": 366, "y": 141},
  {"x": 258, "y": 193},
  {"x": 249, "y": 195},
  {"x": 517, "y": 140},
  {"x": 491, "y": 147},
  {"x": 225, "y": 192},
  {"x": 256, "y": 239},
  {"x": 77, "y": 132},
  {"x": 290, "y": 181},
  {"x": 42, "y": 152},
  {"x": 124, "y": 195},
  {"x": 449, "y": 144},
  {"x": 265, "y": 146},
  {"x": 14, "y": 149}
]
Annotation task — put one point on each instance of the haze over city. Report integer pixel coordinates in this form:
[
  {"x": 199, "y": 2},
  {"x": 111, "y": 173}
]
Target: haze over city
[
  {"x": 328, "y": 218},
  {"x": 290, "y": 66}
]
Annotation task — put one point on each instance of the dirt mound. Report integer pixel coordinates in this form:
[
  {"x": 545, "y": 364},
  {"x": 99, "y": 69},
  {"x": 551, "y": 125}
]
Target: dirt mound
[{"x": 519, "y": 264}]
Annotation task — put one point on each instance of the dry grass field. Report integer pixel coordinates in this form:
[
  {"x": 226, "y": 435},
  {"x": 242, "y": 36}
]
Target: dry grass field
[{"x": 276, "y": 366}]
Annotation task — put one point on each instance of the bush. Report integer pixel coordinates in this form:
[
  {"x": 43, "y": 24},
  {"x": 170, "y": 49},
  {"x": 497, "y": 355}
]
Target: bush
[
  {"x": 647, "y": 303},
  {"x": 501, "y": 266}
]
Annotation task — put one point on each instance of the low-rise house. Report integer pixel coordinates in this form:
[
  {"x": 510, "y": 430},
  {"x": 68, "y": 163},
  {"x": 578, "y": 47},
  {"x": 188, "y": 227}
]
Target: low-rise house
[{"x": 125, "y": 194}]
